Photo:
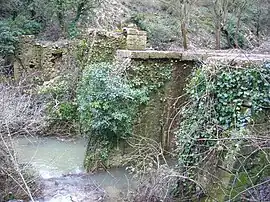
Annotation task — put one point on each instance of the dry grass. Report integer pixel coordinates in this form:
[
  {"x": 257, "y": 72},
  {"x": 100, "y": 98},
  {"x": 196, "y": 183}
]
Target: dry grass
[
  {"x": 15, "y": 180},
  {"x": 20, "y": 113}
]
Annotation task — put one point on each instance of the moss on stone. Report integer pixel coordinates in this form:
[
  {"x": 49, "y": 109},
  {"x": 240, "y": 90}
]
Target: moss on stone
[
  {"x": 165, "y": 79},
  {"x": 100, "y": 46}
]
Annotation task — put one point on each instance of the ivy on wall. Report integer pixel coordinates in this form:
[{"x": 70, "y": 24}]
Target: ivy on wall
[
  {"x": 150, "y": 74},
  {"x": 98, "y": 47},
  {"x": 223, "y": 101}
]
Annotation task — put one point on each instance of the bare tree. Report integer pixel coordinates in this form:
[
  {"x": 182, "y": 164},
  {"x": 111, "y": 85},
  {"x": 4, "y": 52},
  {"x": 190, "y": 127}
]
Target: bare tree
[
  {"x": 239, "y": 7},
  {"x": 181, "y": 9},
  {"x": 220, "y": 13},
  {"x": 262, "y": 19}
]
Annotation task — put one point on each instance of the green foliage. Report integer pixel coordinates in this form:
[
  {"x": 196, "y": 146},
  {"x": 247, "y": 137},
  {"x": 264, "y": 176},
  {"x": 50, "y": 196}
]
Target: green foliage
[
  {"x": 222, "y": 102},
  {"x": 231, "y": 31},
  {"x": 67, "y": 111},
  {"x": 73, "y": 31},
  {"x": 11, "y": 30},
  {"x": 52, "y": 16},
  {"x": 61, "y": 103},
  {"x": 107, "y": 103},
  {"x": 30, "y": 27},
  {"x": 99, "y": 47},
  {"x": 8, "y": 39},
  {"x": 241, "y": 94},
  {"x": 150, "y": 75}
]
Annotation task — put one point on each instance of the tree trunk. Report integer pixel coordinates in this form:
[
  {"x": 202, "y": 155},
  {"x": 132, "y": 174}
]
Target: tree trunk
[
  {"x": 184, "y": 34},
  {"x": 218, "y": 35},
  {"x": 79, "y": 11},
  {"x": 8, "y": 69},
  {"x": 258, "y": 22},
  {"x": 60, "y": 15},
  {"x": 237, "y": 31}
]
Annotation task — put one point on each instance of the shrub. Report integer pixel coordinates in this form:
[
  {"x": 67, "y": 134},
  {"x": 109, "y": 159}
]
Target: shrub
[
  {"x": 11, "y": 30},
  {"x": 61, "y": 105},
  {"x": 8, "y": 39},
  {"x": 25, "y": 25},
  {"x": 230, "y": 31},
  {"x": 107, "y": 106},
  {"x": 107, "y": 103}
]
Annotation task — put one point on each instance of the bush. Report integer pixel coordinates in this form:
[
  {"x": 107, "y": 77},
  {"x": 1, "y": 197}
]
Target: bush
[
  {"x": 26, "y": 26},
  {"x": 61, "y": 105},
  {"x": 11, "y": 30},
  {"x": 107, "y": 106},
  {"x": 231, "y": 31},
  {"x": 107, "y": 103},
  {"x": 8, "y": 39}
]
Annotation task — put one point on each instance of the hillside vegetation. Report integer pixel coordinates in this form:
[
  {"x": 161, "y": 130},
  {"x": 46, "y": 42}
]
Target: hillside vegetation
[{"x": 169, "y": 23}]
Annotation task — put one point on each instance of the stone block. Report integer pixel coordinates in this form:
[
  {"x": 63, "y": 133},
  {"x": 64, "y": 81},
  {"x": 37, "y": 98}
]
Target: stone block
[
  {"x": 130, "y": 31},
  {"x": 142, "y": 33},
  {"x": 135, "y": 42}
]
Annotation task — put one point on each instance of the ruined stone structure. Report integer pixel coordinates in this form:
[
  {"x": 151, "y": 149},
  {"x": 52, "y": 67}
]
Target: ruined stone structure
[
  {"x": 135, "y": 39},
  {"x": 157, "y": 121},
  {"x": 42, "y": 60},
  {"x": 46, "y": 59}
]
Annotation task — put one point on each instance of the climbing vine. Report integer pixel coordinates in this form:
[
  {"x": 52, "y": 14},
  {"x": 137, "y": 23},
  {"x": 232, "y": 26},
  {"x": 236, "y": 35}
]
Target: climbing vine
[
  {"x": 150, "y": 75},
  {"x": 223, "y": 101}
]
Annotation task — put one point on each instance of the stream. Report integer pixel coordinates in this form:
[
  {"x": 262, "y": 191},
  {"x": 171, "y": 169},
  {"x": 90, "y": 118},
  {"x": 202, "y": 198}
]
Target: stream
[{"x": 60, "y": 166}]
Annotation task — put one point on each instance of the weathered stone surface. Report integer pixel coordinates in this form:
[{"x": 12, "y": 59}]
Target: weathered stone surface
[
  {"x": 41, "y": 60},
  {"x": 135, "y": 39},
  {"x": 149, "y": 54},
  {"x": 130, "y": 31},
  {"x": 206, "y": 56}
]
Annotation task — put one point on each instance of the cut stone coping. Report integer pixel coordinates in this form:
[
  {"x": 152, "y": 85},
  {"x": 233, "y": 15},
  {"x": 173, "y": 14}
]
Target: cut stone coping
[
  {"x": 200, "y": 55},
  {"x": 132, "y": 31}
]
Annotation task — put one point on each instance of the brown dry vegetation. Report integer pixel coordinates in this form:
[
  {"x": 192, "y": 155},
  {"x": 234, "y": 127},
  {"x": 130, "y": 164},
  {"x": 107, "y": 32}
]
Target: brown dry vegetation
[{"x": 20, "y": 114}]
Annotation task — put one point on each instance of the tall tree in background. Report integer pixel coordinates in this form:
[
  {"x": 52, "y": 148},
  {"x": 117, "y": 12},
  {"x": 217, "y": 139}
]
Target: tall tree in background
[
  {"x": 220, "y": 14},
  {"x": 262, "y": 16},
  {"x": 239, "y": 7},
  {"x": 181, "y": 9}
]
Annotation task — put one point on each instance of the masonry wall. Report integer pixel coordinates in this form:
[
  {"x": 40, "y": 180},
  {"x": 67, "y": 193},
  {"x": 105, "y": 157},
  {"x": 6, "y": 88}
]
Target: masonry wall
[{"x": 158, "y": 120}]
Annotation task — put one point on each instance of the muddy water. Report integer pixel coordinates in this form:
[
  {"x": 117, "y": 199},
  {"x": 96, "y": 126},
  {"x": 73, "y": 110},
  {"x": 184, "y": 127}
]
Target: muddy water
[
  {"x": 51, "y": 157},
  {"x": 60, "y": 165}
]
